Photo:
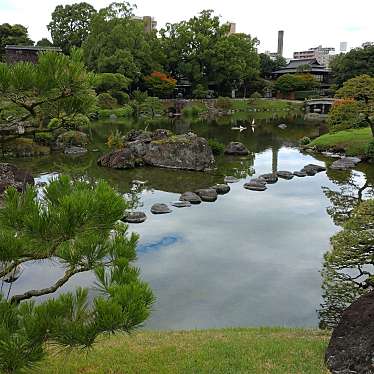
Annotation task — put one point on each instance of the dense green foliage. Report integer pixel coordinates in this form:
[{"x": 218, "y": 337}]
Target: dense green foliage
[
  {"x": 356, "y": 62},
  {"x": 344, "y": 114},
  {"x": 295, "y": 82},
  {"x": 13, "y": 35},
  {"x": 361, "y": 89},
  {"x": 57, "y": 87},
  {"x": 216, "y": 146},
  {"x": 70, "y": 25},
  {"x": 202, "y": 51},
  {"x": 76, "y": 224},
  {"x": 268, "y": 65},
  {"x": 117, "y": 43},
  {"x": 347, "y": 267}
]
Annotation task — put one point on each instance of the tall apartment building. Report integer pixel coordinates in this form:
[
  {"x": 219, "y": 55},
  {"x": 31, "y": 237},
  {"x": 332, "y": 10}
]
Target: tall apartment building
[{"x": 321, "y": 54}]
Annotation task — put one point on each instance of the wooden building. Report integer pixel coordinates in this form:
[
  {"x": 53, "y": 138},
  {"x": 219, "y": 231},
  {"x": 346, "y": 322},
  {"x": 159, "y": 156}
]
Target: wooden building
[{"x": 17, "y": 53}]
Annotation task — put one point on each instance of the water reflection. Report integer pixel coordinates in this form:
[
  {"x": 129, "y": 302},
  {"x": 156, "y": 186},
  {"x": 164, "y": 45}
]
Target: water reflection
[
  {"x": 249, "y": 258},
  {"x": 346, "y": 275}
]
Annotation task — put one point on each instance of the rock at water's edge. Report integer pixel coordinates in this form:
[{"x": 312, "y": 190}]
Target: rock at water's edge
[
  {"x": 236, "y": 149},
  {"x": 351, "y": 348},
  {"x": 190, "y": 197},
  {"x": 11, "y": 176}
]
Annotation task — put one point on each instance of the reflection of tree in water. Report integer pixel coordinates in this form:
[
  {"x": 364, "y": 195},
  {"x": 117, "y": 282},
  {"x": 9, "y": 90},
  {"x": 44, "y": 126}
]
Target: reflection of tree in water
[
  {"x": 348, "y": 268},
  {"x": 134, "y": 196}
]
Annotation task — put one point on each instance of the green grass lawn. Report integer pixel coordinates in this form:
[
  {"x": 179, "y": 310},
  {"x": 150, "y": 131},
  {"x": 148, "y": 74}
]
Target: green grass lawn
[
  {"x": 354, "y": 141},
  {"x": 226, "y": 351}
]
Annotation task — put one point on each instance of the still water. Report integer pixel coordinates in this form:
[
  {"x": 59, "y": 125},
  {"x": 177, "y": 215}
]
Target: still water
[{"x": 248, "y": 259}]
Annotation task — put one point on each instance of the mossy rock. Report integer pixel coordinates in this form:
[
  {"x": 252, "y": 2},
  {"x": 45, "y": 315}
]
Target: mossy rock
[{"x": 72, "y": 138}]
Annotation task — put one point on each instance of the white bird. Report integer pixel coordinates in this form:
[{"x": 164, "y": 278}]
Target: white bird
[{"x": 240, "y": 128}]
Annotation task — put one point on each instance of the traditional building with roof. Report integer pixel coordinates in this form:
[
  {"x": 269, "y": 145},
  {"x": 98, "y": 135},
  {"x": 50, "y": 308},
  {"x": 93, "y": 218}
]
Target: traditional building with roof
[
  {"x": 311, "y": 66},
  {"x": 17, "y": 53}
]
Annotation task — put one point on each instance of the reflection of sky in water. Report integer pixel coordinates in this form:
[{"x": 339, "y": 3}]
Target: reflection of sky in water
[{"x": 250, "y": 258}]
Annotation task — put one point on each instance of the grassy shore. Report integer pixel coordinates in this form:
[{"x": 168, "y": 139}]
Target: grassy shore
[
  {"x": 225, "y": 351},
  {"x": 353, "y": 142}
]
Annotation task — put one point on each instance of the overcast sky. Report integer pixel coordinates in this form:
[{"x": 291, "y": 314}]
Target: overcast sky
[{"x": 306, "y": 23}]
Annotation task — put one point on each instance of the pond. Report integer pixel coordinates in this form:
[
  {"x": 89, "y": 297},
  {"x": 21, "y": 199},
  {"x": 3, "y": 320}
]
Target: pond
[{"x": 248, "y": 259}]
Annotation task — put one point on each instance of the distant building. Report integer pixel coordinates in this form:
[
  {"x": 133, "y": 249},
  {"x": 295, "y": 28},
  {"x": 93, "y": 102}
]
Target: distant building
[
  {"x": 321, "y": 54},
  {"x": 150, "y": 24},
  {"x": 311, "y": 66},
  {"x": 279, "y": 52},
  {"x": 18, "y": 53},
  {"x": 343, "y": 47},
  {"x": 232, "y": 28},
  {"x": 280, "y": 43}
]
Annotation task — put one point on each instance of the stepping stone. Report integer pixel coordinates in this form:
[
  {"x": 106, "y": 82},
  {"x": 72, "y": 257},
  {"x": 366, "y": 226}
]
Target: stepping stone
[
  {"x": 181, "y": 204},
  {"x": 221, "y": 189},
  {"x": 160, "y": 209},
  {"x": 285, "y": 175},
  {"x": 207, "y": 194},
  {"x": 190, "y": 197},
  {"x": 135, "y": 217},
  {"x": 269, "y": 178},
  {"x": 256, "y": 185},
  {"x": 312, "y": 169},
  {"x": 300, "y": 173}
]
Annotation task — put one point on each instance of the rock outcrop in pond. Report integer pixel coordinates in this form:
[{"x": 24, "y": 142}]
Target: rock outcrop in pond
[
  {"x": 236, "y": 149},
  {"x": 161, "y": 149},
  {"x": 351, "y": 348},
  {"x": 11, "y": 176}
]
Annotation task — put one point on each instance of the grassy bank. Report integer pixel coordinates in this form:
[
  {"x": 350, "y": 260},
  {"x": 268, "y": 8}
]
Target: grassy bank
[
  {"x": 353, "y": 142},
  {"x": 257, "y": 350}
]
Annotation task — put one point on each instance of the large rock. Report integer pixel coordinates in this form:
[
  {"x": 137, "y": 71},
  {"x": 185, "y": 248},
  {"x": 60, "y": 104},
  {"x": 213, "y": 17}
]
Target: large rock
[
  {"x": 345, "y": 163},
  {"x": 11, "y": 176},
  {"x": 161, "y": 149},
  {"x": 236, "y": 149},
  {"x": 72, "y": 138},
  {"x": 351, "y": 348},
  {"x": 207, "y": 194},
  {"x": 191, "y": 197},
  {"x": 231, "y": 179}
]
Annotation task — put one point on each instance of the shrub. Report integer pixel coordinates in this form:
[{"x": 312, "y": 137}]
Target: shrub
[
  {"x": 106, "y": 101},
  {"x": 106, "y": 82},
  {"x": 216, "y": 146},
  {"x": 44, "y": 137},
  {"x": 151, "y": 107},
  {"x": 224, "y": 103},
  {"x": 194, "y": 109},
  {"x": 73, "y": 122},
  {"x": 344, "y": 114},
  {"x": 200, "y": 92},
  {"x": 115, "y": 140},
  {"x": 304, "y": 141},
  {"x": 370, "y": 150},
  {"x": 160, "y": 84},
  {"x": 121, "y": 97},
  {"x": 256, "y": 95}
]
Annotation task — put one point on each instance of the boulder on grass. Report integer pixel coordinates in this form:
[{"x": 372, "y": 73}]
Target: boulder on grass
[{"x": 351, "y": 348}]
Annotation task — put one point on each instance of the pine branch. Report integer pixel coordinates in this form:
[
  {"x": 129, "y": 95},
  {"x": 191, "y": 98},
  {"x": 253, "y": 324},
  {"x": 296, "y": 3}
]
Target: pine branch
[{"x": 16, "y": 299}]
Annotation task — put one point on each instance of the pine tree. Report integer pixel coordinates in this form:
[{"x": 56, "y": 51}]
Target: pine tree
[{"x": 77, "y": 224}]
